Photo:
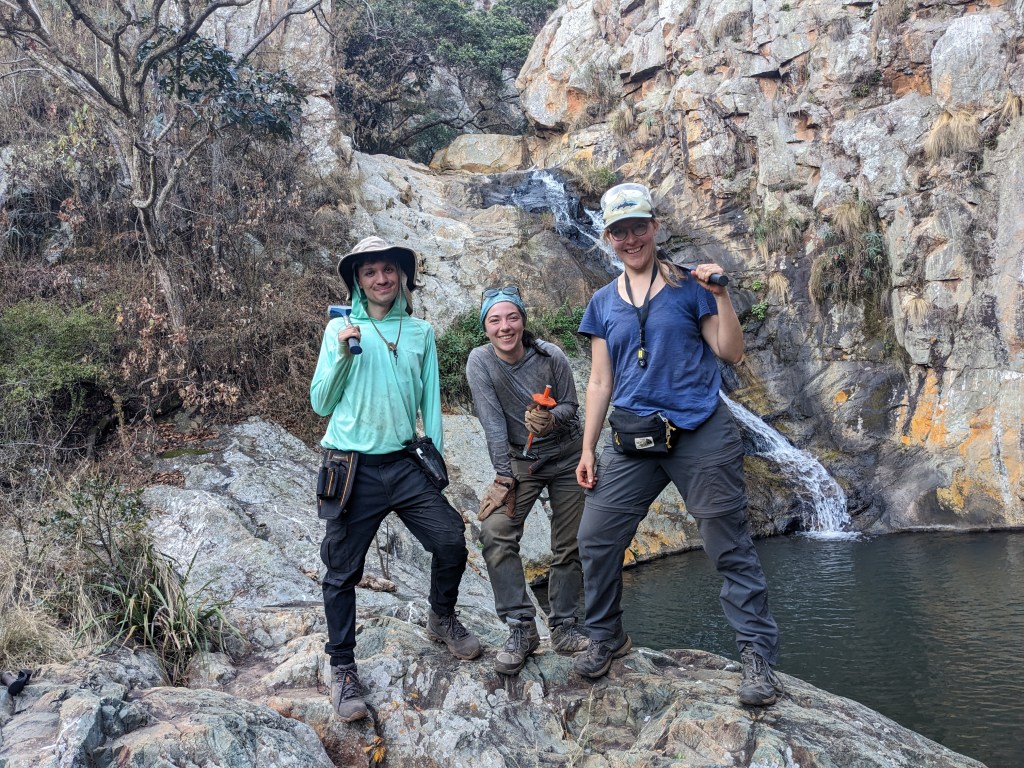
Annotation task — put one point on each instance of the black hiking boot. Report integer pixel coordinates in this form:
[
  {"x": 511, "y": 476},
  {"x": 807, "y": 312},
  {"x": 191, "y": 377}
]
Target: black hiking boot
[
  {"x": 462, "y": 643},
  {"x": 761, "y": 687},
  {"x": 347, "y": 694},
  {"x": 567, "y": 638},
  {"x": 523, "y": 640},
  {"x": 597, "y": 659}
]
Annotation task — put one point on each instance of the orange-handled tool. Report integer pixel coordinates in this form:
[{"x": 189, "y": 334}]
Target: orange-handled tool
[{"x": 544, "y": 401}]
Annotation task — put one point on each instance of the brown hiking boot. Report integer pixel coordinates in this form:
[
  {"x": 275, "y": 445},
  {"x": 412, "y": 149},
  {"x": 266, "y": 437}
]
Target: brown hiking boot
[
  {"x": 523, "y": 640},
  {"x": 567, "y": 637},
  {"x": 599, "y": 655},
  {"x": 462, "y": 643},
  {"x": 347, "y": 694},
  {"x": 761, "y": 686}
]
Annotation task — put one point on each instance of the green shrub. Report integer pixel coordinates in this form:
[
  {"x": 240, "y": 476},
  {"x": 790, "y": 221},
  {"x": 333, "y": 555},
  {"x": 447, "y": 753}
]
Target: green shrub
[
  {"x": 852, "y": 265},
  {"x": 465, "y": 334},
  {"x": 45, "y": 350},
  {"x": 135, "y": 594},
  {"x": 51, "y": 362},
  {"x": 560, "y": 327},
  {"x": 453, "y": 348},
  {"x": 591, "y": 178}
]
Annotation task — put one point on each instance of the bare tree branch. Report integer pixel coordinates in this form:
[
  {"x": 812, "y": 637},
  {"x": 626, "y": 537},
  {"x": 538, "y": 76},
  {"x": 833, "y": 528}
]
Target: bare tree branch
[
  {"x": 79, "y": 13},
  {"x": 18, "y": 72},
  {"x": 280, "y": 19}
]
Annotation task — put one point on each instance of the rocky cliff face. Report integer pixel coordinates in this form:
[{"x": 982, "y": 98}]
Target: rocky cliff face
[
  {"x": 244, "y": 515},
  {"x": 760, "y": 127}
]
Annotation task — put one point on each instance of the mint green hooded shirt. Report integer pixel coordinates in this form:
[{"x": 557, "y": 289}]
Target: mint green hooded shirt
[{"x": 373, "y": 398}]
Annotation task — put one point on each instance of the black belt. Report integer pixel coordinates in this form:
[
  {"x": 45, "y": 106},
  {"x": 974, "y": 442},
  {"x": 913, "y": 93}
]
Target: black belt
[
  {"x": 368, "y": 459},
  {"x": 376, "y": 459}
]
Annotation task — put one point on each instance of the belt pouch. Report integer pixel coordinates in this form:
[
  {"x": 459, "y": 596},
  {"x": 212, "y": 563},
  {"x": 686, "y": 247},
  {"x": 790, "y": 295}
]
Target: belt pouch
[
  {"x": 640, "y": 435},
  {"x": 334, "y": 483},
  {"x": 430, "y": 461}
]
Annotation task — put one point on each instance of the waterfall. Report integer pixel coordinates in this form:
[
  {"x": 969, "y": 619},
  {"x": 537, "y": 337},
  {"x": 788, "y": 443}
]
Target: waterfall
[
  {"x": 816, "y": 488},
  {"x": 539, "y": 191}
]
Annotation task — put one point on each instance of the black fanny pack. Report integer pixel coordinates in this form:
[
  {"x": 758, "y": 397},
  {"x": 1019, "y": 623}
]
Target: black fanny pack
[
  {"x": 334, "y": 483},
  {"x": 640, "y": 435},
  {"x": 423, "y": 450}
]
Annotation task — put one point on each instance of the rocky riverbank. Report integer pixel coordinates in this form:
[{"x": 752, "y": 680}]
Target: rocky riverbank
[{"x": 242, "y": 507}]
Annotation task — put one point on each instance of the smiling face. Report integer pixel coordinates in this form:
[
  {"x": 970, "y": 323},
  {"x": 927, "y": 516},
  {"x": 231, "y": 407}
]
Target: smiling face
[
  {"x": 633, "y": 241},
  {"x": 504, "y": 326},
  {"x": 380, "y": 282}
]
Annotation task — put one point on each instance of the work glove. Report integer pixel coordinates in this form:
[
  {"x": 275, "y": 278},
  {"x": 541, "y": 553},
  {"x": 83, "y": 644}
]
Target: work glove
[
  {"x": 502, "y": 492},
  {"x": 540, "y": 421}
]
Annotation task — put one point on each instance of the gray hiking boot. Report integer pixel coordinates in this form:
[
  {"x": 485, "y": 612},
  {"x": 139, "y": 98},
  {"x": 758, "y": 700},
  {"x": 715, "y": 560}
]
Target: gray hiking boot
[
  {"x": 597, "y": 659},
  {"x": 347, "y": 694},
  {"x": 462, "y": 643},
  {"x": 523, "y": 640},
  {"x": 567, "y": 637},
  {"x": 760, "y": 686}
]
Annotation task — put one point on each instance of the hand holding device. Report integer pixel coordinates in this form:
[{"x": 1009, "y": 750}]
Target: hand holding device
[{"x": 343, "y": 311}]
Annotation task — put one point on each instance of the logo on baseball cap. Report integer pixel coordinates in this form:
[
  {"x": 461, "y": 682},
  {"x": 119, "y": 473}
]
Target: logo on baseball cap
[{"x": 626, "y": 201}]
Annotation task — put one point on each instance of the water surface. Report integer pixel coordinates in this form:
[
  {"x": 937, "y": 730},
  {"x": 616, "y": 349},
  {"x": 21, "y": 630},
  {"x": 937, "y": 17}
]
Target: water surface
[{"x": 925, "y": 628}]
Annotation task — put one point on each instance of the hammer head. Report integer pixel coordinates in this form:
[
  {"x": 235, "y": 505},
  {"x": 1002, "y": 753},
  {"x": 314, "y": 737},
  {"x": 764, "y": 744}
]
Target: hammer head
[
  {"x": 339, "y": 310},
  {"x": 15, "y": 683}
]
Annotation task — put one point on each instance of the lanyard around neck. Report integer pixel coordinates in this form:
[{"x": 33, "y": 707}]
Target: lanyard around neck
[{"x": 642, "y": 312}]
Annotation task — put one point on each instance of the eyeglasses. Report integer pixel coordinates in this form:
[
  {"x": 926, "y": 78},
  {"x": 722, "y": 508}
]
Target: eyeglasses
[
  {"x": 508, "y": 290},
  {"x": 639, "y": 229}
]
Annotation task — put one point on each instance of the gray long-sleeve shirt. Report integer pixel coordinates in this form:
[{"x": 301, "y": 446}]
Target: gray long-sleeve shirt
[{"x": 502, "y": 393}]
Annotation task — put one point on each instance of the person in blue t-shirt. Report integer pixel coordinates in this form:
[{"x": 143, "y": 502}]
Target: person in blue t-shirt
[{"x": 656, "y": 331}]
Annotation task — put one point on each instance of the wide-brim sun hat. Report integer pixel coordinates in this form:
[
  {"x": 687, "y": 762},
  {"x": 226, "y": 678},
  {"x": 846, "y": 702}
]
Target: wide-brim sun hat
[
  {"x": 373, "y": 248},
  {"x": 626, "y": 201}
]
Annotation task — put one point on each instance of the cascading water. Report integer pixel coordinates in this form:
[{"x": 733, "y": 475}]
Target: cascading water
[
  {"x": 816, "y": 488},
  {"x": 540, "y": 191}
]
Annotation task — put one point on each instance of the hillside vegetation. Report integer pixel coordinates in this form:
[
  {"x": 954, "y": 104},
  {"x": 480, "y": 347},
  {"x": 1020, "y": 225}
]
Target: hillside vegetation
[{"x": 167, "y": 255}]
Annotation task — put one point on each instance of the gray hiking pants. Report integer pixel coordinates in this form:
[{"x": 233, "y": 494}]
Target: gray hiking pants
[
  {"x": 706, "y": 467},
  {"x": 501, "y": 534}
]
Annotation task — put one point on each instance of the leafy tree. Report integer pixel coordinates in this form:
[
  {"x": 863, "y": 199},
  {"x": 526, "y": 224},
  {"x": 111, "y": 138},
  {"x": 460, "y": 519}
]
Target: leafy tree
[
  {"x": 394, "y": 54},
  {"x": 159, "y": 90}
]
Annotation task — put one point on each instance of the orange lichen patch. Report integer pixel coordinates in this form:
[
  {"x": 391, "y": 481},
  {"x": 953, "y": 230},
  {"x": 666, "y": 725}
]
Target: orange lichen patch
[
  {"x": 926, "y": 423},
  {"x": 918, "y": 82},
  {"x": 575, "y": 102},
  {"x": 842, "y": 396},
  {"x": 769, "y": 87},
  {"x": 694, "y": 129},
  {"x": 802, "y": 131},
  {"x": 962, "y": 494}
]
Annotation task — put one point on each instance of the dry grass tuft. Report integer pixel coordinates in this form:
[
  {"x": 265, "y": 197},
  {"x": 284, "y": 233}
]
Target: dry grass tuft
[
  {"x": 951, "y": 134},
  {"x": 731, "y": 26},
  {"x": 890, "y": 14},
  {"x": 779, "y": 291},
  {"x": 851, "y": 218},
  {"x": 622, "y": 121},
  {"x": 915, "y": 307},
  {"x": 1013, "y": 107},
  {"x": 775, "y": 233}
]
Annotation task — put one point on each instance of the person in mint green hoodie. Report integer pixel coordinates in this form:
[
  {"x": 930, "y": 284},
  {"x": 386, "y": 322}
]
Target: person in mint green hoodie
[{"x": 372, "y": 389}]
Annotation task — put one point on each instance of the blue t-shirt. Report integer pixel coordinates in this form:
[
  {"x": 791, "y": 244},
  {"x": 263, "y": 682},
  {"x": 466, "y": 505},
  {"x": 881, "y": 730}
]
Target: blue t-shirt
[{"x": 681, "y": 380}]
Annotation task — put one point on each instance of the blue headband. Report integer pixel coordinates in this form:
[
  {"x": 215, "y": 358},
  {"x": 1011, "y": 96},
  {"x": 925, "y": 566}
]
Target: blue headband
[{"x": 499, "y": 296}]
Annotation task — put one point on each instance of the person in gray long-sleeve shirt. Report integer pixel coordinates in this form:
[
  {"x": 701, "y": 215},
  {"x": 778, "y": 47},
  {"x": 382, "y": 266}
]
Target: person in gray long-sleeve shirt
[{"x": 504, "y": 376}]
